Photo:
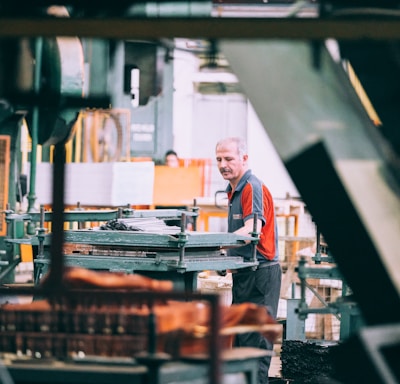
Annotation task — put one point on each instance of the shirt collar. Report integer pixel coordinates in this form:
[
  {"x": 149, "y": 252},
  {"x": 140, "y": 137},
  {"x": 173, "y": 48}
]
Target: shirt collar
[{"x": 241, "y": 182}]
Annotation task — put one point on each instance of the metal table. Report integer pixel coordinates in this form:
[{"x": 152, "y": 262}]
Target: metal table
[{"x": 108, "y": 371}]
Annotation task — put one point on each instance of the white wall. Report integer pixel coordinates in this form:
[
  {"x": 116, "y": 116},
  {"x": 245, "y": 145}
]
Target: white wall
[
  {"x": 199, "y": 121},
  {"x": 185, "y": 65},
  {"x": 264, "y": 159}
]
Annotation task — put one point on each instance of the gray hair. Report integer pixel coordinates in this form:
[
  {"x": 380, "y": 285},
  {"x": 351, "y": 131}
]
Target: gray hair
[{"x": 240, "y": 144}]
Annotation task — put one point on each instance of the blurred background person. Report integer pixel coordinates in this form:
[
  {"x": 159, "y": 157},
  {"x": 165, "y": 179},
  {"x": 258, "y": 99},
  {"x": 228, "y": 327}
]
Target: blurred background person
[{"x": 171, "y": 159}]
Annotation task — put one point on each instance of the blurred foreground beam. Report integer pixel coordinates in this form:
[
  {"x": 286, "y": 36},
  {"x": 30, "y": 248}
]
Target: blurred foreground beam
[{"x": 124, "y": 28}]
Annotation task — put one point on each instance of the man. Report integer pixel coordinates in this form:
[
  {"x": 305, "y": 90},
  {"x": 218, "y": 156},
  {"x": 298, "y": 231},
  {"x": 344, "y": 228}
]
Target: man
[
  {"x": 171, "y": 158},
  {"x": 249, "y": 196}
]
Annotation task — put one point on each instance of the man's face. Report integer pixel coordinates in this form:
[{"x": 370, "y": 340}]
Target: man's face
[
  {"x": 231, "y": 165},
  {"x": 172, "y": 161}
]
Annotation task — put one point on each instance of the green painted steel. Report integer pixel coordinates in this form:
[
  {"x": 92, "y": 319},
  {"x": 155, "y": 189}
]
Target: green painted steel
[
  {"x": 102, "y": 215},
  {"x": 34, "y": 126},
  {"x": 146, "y": 240},
  {"x": 168, "y": 241},
  {"x": 163, "y": 264},
  {"x": 172, "y": 253},
  {"x": 62, "y": 72}
]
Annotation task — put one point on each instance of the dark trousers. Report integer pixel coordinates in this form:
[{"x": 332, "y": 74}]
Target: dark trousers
[{"x": 261, "y": 287}]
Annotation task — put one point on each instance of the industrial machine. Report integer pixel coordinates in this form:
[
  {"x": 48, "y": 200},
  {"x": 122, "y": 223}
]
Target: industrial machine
[
  {"x": 129, "y": 241},
  {"x": 321, "y": 266},
  {"x": 142, "y": 334},
  {"x": 345, "y": 166},
  {"x": 107, "y": 329}
]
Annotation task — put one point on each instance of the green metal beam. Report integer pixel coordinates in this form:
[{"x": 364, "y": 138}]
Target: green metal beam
[
  {"x": 133, "y": 264},
  {"x": 155, "y": 240}
]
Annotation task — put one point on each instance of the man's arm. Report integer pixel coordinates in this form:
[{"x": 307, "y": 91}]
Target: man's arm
[{"x": 248, "y": 228}]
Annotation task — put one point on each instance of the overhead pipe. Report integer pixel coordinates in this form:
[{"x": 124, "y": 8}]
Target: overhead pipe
[{"x": 171, "y": 9}]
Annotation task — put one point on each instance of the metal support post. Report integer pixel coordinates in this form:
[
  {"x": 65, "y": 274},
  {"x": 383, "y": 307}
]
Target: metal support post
[
  {"x": 255, "y": 239},
  {"x": 295, "y": 326},
  {"x": 34, "y": 131},
  {"x": 182, "y": 242}
]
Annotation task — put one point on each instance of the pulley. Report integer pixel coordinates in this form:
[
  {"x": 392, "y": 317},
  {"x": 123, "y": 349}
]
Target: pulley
[{"x": 61, "y": 79}]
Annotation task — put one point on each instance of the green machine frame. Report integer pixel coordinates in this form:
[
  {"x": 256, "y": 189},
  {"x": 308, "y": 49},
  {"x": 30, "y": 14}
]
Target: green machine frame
[{"x": 174, "y": 254}]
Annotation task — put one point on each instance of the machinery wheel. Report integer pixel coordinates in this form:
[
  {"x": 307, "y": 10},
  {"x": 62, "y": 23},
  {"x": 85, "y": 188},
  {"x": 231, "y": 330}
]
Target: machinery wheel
[{"x": 61, "y": 75}]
